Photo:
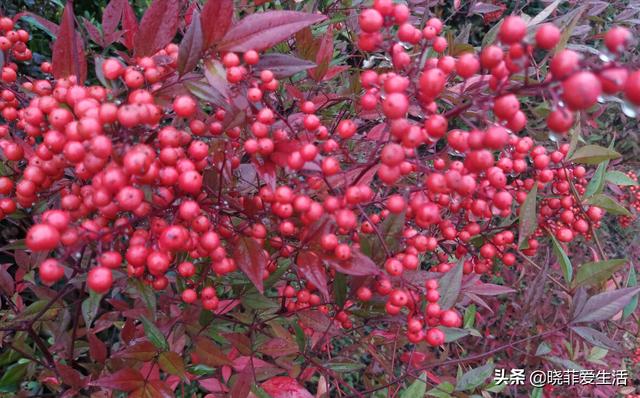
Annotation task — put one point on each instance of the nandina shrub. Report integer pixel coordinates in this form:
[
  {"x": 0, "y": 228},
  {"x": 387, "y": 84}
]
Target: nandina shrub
[{"x": 331, "y": 199}]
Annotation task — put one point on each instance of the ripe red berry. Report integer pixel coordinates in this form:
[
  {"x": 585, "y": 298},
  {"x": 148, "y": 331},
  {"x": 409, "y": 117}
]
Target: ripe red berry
[
  {"x": 512, "y": 30},
  {"x": 42, "y": 237},
  {"x": 581, "y": 90},
  {"x": 547, "y": 36},
  {"x": 370, "y": 20},
  {"x": 435, "y": 337},
  {"x": 99, "y": 279}
]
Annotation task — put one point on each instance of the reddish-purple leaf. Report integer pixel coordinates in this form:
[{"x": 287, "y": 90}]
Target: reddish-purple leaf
[
  {"x": 7, "y": 285},
  {"x": 50, "y": 26},
  {"x": 278, "y": 347},
  {"x": 359, "y": 265},
  {"x": 172, "y": 363},
  {"x": 489, "y": 289},
  {"x": 209, "y": 353},
  {"x": 157, "y": 27},
  {"x": 323, "y": 56},
  {"x": 604, "y": 306},
  {"x": 142, "y": 351},
  {"x": 97, "y": 348},
  {"x": 153, "y": 389},
  {"x": 130, "y": 25},
  {"x": 262, "y": 30},
  {"x": 68, "y": 56},
  {"x": 216, "y": 18},
  {"x": 311, "y": 267},
  {"x": 282, "y": 65},
  {"x": 251, "y": 259},
  {"x": 126, "y": 379},
  {"x": 239, "y": 341},
  {"x": 449, "y": 287},
  {"x": 94, "y": 33},
  {"x": 190, "y": 47},
  {"x": 71, "y": 376},
  {"x": 111, "y": 16},
  {"x": 285, "y": 387}
]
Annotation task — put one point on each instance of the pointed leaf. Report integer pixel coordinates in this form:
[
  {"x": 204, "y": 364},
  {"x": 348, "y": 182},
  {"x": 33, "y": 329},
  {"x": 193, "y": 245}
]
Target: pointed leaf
[
  {"x": 488, "y": 289},
  {"x": 261, "y": 31},
  {"x": 609, "y": 204},
  {"x": 251, "y": 259},
  {"x": 130, "y": 25},
  {"x": 190, "y": 47},
  {"x": 172, "y": 363},
  {"x": 216, "y": 17},
  {"x": 632, "y": 281},
  {"x": 68, "y": 58},
  {"x": 563, "y": 259},
  {"x": 283, "y": 65},
  {"x": 142, "y": 351},
  {"x": 619, "y": 178},
  {"x": 596, "y": 337},
  {"x": 417, "y": 389},
  {"x": 528, "y": 219},
  {"x": 126, "y": 379},
  {"x": 97, "y": 348},
  {"x": 154, "y": 334},
  {"x": 157, "y": 27},
  {"x": 311, "y": 267},
  {"x": 593, "y": 154},
  {"x": 604, "y": 306},
  {"x": 111, "y": 16},
  {"x": 449, "y": 287},
  {"x": 210, "y": 354},
  {"x": 285, "y": 387},
  {"x": 453, "y": 334},
  {"x": 593, "y": 273},
  {"x": 596, "y": 184},
  {"x": 544, "y": 14},
  {"x": 474, "y": 378}
]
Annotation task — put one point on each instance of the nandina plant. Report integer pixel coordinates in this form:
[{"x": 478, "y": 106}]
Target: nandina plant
[{"x": 316, "y": 198}]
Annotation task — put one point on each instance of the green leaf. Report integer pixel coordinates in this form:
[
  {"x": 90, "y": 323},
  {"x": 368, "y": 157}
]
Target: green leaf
[
  {"x": 257, "y": 301},
  {"x": 146, "y": 293},
  {"x": 172, "y": 363},
  {"x": 344, "y": 365},
  {"x": 593, "y": 154},
  {"x": 619, "y": 178},
  {"x": 90, "y": 307},
  {"x": 469, "y": 316},
  {"x": 491, "y": 35},
  {"x": 453, "y": 334},
  {"x": 543, "y": 349},
  {"x": 566, "y": 32},
  {"x": 544, "y": 14},
  {"x": 300, "y": 338},
  {"x": 596, "y": 185},
  {"x": 536, "y": 392},
  {"x": 154, "y": 334},
  {"x": 592, "y": 273},
  {"x": 12, "y": 377},
  {"x": 474, "y": 378},
  {"x": 609, "y": 204},
  {"x": 528, "y": 219},
  {"x": 340, "y": 288},
  {"x": 596, "y": 354},
  {"x": 417, "y": 389},
  {"x": 259, "y": 392},
  {"x": 632, "y": 281},
  {"x": 449, "y": 287},
  {"x": 563, "y": 259},
  {"x": 442, "y": 390}
]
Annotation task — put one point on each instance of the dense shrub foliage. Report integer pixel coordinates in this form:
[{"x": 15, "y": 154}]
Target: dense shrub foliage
[{"x": 317, "y": 198}]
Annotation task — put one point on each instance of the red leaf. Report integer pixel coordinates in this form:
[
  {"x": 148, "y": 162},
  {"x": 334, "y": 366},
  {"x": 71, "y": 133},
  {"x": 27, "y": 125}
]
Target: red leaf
[
  {"x": 111, "y": 16},
  {"x": 50, "y": 26},
  {"x": 210, "y": 354},
  {"x": 7, "y": 285},
  {"x": 262, "y": 30},
  {"x": 213, "y": 385},
  {"x": 282, "y": 65},
  {"x": 157, "y": 27},
  {"x": 216, "y": 18},
  {"x": 97, "y": 348},
  {"x": 94, "y": 33},
  {"x": 125, "y": 380},
  {"x": 153, "y": 389},
  {"x": 142, "y": 351},
  {"x": 239, "y": 341},
  {"x": 250, "y": 258},
  {"x": 190, "y": 47},
  {"x": 130, "y": 25},
  {"x": 359, "y": 265},
  {"x": 323, "y": 56},
  {"x": 70, "y": 376},
  {"x": 68, "y": 53},
  {"x": 285, "y": 387},
  {"x": 172, "y": 363},
  {"x": 310, "y": 266}
]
